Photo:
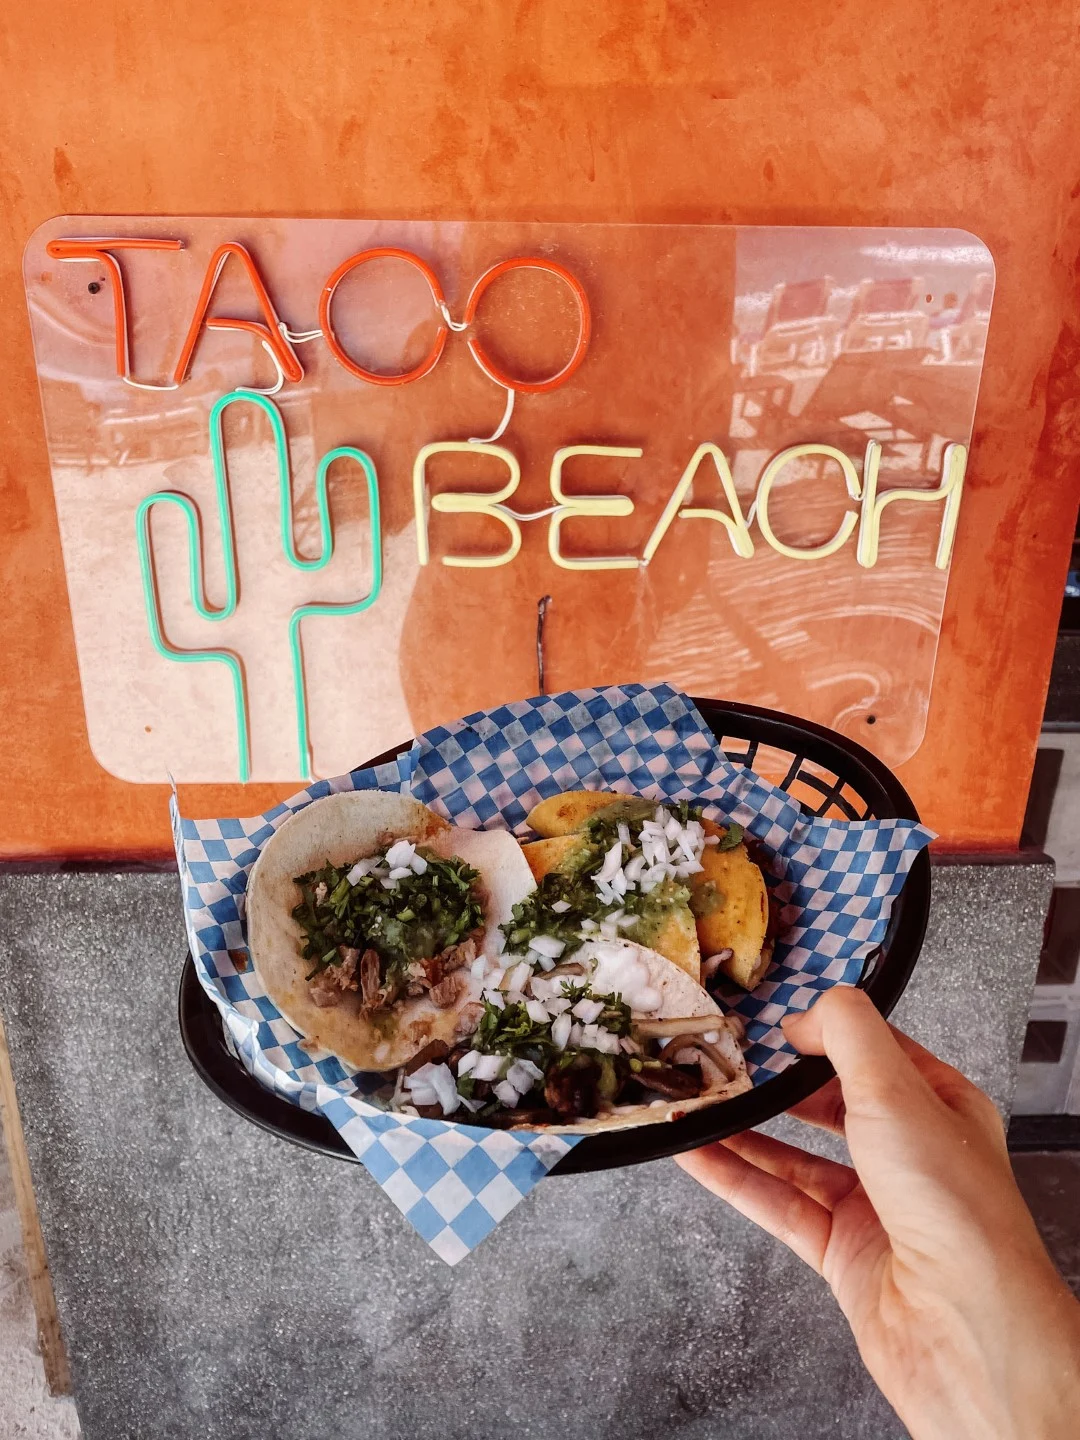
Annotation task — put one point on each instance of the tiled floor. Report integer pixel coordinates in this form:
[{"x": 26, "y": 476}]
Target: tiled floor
[{"x": 1051, "y": 1186}]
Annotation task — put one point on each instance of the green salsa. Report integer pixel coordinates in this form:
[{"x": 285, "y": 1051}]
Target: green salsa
[{"x": 571, "y": 884}]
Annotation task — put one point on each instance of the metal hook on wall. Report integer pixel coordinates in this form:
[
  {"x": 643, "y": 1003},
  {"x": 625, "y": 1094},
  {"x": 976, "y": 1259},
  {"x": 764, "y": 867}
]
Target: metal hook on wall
[{"x": 543, "y": 605}]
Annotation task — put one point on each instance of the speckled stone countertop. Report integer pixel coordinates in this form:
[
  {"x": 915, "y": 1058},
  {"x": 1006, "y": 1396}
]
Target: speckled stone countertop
[{"x": 214, "y": 1281}]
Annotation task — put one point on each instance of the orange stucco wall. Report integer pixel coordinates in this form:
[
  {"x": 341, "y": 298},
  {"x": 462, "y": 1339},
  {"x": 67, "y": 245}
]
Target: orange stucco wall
[{"x": 886, "y": 113}]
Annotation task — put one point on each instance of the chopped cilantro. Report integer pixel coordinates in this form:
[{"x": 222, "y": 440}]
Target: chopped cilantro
[
  {"x": 417, "y": 919},
  {"x": 512, "y": 1030}
]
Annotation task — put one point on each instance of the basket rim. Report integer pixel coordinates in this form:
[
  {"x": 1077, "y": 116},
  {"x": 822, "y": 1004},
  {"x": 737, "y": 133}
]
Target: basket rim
[{"x": 884, "y": 979}]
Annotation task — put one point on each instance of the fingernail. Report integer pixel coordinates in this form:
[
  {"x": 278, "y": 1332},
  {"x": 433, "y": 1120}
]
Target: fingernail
[{"x": 796, "y": 1016}]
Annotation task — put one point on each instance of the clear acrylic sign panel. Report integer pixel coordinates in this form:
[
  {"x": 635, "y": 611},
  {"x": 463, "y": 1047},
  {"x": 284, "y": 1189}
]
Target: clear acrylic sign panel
[{"x": 750, "y": 341}]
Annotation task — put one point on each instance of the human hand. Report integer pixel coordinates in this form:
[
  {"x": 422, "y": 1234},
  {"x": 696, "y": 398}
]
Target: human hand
[{"x": 958, "y": 1312}]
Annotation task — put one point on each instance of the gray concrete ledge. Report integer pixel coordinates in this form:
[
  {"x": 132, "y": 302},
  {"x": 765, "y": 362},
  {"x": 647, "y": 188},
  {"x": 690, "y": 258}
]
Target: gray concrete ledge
[{"x": 214, "y": 1281}]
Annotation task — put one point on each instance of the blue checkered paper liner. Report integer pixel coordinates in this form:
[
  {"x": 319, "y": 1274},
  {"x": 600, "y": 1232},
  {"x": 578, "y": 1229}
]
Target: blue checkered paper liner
[{"x": 454, "y": 1183}]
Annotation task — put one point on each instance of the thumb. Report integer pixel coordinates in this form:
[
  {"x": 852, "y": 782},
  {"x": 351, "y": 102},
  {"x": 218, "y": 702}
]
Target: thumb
[{"x": 876, "y": 1076}]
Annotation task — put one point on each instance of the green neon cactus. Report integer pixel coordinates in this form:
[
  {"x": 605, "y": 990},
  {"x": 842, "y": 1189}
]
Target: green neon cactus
[
  {"x": 349, "y": 607},
  {"x": 196, "y": 576}
]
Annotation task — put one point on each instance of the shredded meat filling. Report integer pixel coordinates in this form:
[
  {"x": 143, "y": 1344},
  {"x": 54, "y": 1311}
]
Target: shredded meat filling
[
  {"x": 369, "y": 980},
  {"x": 445, "y": 992},
  {"x": 572, "y": 1093},
  {"x": 454, "y": 957},
  {"x": 671, "y": 1080},
  {"x": 331, "y": 984},
  {"x": 468, "y": 1020}
]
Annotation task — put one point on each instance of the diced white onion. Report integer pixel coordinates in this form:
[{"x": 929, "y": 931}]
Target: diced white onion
[
  {"x": 523, "y": 1075},
  {"x": 672, "y": 829},
  {"x": 623, "y": 832},
  {"x": 471, "y": 1105},
  {"x": 610, "y": 867},
  {"x": 489, "y": 1067},
  {"x": 557, "y": 1006},
  {"x": 575, "y": 1034},
  {"x": 400, "y": 853},
  {"x": 360, "y": 869},
  {"x": 546, "y": 962},
  {"x": 420, "y": 1076},
  {"x": 424, "y": 1095},
  {"x": 495, "y": 979},
  {"x": 478, "y": 967},
  {"x": 519, "y": 976},
  {"x": 388, "y": 884},
  {"x": 560, "y": 1031},
  {"x": 629, "y": 1045},
  {"x": 712, "y": 839},
  {"x": 589, "y": 927},
  {"x": 442, "y": 1082},
  {"x": 418, "y": 864},
  {"x": 537, "y": 1012},
  {"x": 606, "y": 1043},
  {"x": 400, "y": 872},
  {"x": 560, "y": 907},
  {"x": 633, "y": 868},
  {"x": 495, "y": 997},
  {"x": 468, "y": 1062},
  {"x": 506, "y": 1094},
  {"x": 547, "y": 945},
  {"x": 588, "y": 1010}
]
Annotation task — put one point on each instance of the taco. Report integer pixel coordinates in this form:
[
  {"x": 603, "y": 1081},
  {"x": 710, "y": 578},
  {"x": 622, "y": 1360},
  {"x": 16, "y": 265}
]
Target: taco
[
  {"x": 617, "y": 1037},
  {"x": 687, "y": 886},
  {"x": 371, "y": 923},
  {"x": 735, "y": 923}
]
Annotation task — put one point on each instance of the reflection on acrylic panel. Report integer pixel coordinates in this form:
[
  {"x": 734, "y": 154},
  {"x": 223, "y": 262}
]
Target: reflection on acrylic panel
[{"x": 315, "y": 478}]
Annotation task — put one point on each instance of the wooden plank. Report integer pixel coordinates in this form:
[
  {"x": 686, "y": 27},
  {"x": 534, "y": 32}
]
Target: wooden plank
[{"x": 50, "y": 1341}]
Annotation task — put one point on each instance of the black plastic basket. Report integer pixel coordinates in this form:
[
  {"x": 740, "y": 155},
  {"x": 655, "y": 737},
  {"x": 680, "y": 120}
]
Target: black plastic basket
[{"x": 830, "y": 776}]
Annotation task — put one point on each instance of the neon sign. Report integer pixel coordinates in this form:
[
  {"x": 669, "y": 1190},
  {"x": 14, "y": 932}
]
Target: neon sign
[{"x": 754, "y": 458}]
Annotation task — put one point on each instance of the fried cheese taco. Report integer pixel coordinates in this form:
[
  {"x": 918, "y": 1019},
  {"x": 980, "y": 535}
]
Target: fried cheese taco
[
  {"x": 371, "y": 920},
  {"x": 654, "y": 872}
]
